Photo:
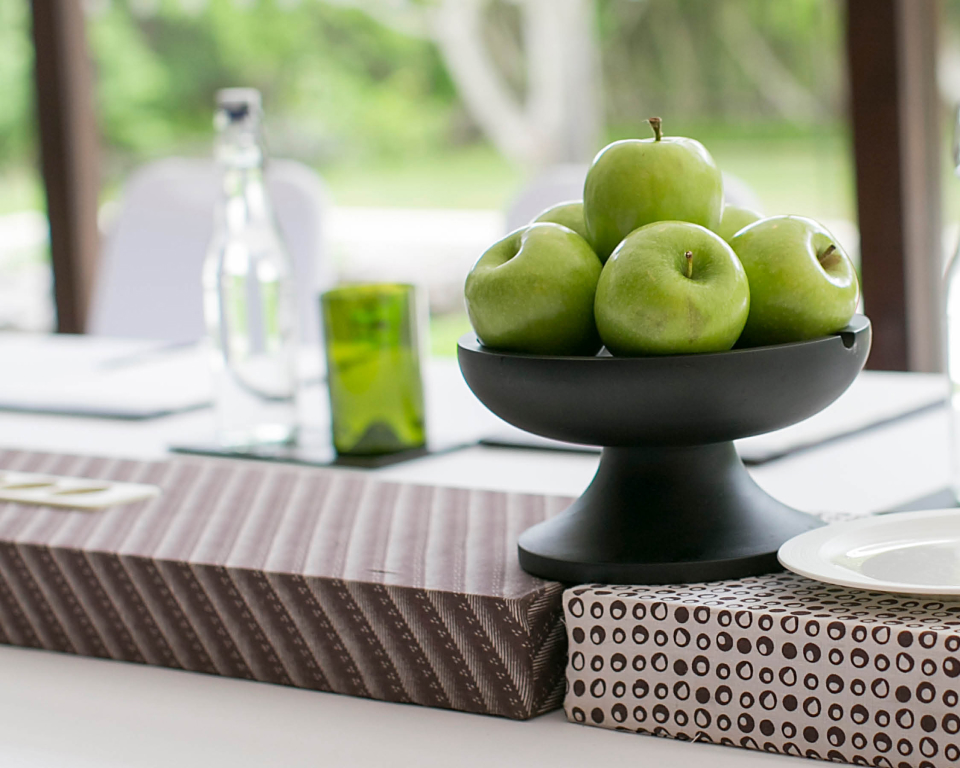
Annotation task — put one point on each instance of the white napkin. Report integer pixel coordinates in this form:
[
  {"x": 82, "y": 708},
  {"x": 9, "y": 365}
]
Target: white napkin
[{"x": 119, "y": 378}]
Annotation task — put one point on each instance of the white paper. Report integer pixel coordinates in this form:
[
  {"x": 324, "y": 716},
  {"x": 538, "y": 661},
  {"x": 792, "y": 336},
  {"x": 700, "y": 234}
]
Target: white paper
[{"x": 116, "y": 378}]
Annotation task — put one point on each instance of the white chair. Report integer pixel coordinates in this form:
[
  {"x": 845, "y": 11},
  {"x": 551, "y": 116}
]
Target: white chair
[
  {"x": 556, "y": 184},
  {"x": 148, "y": 285},
  {"x": 560, "y": 183}
]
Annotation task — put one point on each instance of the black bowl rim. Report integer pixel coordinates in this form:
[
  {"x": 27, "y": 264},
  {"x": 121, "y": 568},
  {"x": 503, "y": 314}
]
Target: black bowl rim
[{"x": 858, "y": 323}]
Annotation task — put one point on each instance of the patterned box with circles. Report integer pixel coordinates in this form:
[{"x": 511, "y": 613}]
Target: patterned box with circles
[{"x": 777, "y": 663}]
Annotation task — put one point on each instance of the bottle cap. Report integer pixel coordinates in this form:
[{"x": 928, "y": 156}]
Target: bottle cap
[{"x": 239, "y": 103}]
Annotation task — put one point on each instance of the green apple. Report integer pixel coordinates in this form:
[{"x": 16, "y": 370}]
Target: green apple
[
  {"x": 671, "y": 288},
  {"x": 638, "y": 181},
  {"x": 569, "y": 214},
  {"x": 735, "y": 218},
  {"x": 802, "y": 283},
  {"x": 533, "y": 292}
]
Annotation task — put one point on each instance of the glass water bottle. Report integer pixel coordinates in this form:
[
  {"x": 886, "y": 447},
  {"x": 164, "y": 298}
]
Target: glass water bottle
[
  {"x": 952, "y": 303},
  {"x": 249, "y": 299}
]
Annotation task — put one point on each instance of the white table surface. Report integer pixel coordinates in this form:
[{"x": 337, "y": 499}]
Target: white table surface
[{"x": 64, "y": 711}]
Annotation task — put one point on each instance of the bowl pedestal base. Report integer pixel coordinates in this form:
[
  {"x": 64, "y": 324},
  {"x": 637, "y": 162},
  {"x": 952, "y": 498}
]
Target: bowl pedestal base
[{"x": 659, "y": 515}]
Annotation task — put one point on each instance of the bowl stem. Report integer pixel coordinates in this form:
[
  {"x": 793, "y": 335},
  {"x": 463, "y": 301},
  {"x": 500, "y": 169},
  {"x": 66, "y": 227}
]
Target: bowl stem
[{"x": 659, "y": 515}]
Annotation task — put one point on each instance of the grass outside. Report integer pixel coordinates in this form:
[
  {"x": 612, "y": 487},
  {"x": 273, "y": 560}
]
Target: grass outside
[
  {"x": 20, "y": 190},
  {"x": 809, "y": 175},
  {"x": 474, "y": 177},
  {"x": 445, "y": 330},
  {"x": 812, "y": 175},
  {"x": 804, "y": 174}
]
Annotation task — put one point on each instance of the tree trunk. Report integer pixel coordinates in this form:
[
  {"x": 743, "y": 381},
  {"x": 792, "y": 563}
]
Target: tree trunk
[
  {"x": 564, "y": 98},
  {"x": 560, "y": 119}
]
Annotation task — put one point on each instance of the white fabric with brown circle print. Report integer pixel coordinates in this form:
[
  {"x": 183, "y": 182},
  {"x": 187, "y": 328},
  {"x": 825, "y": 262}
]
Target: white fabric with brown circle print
[{"x": 777, "y": 663}]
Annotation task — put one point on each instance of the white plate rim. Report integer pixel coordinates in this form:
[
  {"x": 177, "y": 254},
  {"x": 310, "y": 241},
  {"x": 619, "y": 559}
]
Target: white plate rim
[{"x": 800, "y": 554}]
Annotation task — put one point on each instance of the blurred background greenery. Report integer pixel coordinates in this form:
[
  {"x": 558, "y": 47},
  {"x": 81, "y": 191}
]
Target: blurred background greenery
[
  {"x": 364, "y": 93},
  {"x": 376, "y": 112}
]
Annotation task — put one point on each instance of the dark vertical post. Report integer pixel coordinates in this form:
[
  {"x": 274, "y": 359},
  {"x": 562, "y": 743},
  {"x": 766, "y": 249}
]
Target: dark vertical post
[
  {"x": 891, "y": 46},
  {"x": 68, "y": 149}
]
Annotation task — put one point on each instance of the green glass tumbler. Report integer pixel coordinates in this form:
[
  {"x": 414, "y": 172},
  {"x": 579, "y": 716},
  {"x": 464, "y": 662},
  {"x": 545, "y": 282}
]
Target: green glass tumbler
[{"x": 372, "y": 337}]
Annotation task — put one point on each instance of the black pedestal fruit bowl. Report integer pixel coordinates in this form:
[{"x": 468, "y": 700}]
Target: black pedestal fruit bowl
[{"x": 671, "y": 501}]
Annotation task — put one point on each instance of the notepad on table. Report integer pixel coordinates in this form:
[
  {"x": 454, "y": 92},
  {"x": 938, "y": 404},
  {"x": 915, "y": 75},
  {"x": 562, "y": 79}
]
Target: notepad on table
[{"x": 114, "y": 378}]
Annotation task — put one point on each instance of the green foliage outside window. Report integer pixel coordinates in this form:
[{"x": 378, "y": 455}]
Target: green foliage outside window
[{"x": 375, "y": 110}]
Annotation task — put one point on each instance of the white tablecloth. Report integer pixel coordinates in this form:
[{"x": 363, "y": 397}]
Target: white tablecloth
[{"x": 69, "y": 712}]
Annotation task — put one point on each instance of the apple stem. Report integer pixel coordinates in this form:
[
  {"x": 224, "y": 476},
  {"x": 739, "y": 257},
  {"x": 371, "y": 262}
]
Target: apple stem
[
  {"x": 656, "y": 123},
  {"x": 689, "y": 256},
  {"x": 829, "y": 257}
]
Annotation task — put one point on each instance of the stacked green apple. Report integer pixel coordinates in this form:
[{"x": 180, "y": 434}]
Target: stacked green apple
[{"x": 651, "y": 262}]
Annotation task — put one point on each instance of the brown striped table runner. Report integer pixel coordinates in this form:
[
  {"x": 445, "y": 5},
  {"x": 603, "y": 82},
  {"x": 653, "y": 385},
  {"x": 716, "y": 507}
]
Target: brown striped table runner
[{"x": 315, "y": 578}]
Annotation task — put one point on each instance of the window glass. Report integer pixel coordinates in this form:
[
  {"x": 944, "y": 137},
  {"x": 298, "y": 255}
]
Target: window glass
[
  {"x": 948, "y": 83},
  {"x": 763, "y": 86},
  {"x": 25, "y": 283},
  {"x": 435, "y": 124}
]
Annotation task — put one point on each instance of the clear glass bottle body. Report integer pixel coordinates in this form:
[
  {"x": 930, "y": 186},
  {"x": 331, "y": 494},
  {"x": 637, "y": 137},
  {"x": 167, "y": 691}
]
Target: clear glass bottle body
[
  {"x": 249, "y": 298},
  {"x": 952, "y": 335},
  {"x": 952, "y": 303}
]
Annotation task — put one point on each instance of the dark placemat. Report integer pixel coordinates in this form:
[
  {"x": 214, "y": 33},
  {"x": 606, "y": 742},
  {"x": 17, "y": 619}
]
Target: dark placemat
[
  {"x": 315, "y": 449},
  {"x": 314, "y": 578}
]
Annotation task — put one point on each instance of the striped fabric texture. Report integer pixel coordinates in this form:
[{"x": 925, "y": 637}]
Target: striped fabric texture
[{"x": 315, "y": 578}]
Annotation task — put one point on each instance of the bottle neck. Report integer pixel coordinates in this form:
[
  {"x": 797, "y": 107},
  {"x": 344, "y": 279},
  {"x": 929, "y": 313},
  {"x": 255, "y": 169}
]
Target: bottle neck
[{"x": 243, "y": 197}]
